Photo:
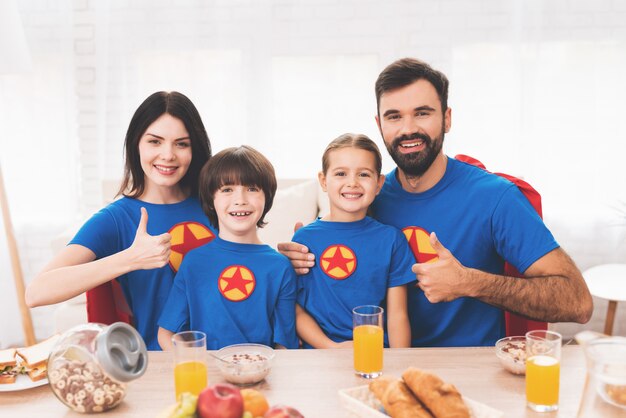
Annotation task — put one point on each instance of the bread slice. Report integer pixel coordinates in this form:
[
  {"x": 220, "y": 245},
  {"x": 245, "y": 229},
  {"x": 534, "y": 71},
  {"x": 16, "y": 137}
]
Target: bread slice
[
  {"x": 8, "y": 363},
  {"x": 8, "y": 377},
  {"x": 38, "y": 373},
  {"x": 7, "y": 358},
  {"x": 35, "y": 358},
  {"x": 37, "y": 354}
]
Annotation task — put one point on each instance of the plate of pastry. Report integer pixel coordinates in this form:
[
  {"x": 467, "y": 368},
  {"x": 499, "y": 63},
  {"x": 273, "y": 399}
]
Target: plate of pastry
[{"x": 423, "y": 393}]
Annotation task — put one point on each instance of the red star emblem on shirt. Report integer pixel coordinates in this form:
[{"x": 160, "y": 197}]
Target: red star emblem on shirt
[
  {"x": 338, "y": 262},
  {"x": 419, "y": 242},
  {"x": 236, "y": 283},
  {"x": 185, "y": 237}
]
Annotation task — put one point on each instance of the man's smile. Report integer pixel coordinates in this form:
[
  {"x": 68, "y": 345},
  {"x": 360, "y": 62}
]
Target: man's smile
[{"x": 411, "y": 146}]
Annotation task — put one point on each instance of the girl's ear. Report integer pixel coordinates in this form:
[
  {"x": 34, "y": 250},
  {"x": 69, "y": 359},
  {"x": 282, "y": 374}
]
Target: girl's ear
[
  {"x": 322, "y": 179},
  {"x": 381, "y": 181}
]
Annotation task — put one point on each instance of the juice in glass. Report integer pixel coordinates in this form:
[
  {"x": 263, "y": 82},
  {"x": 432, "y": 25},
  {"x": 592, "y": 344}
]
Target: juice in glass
[
  {"x": 543, "y": 367},
  {"x": 542, "y": 381},
  {"x": 367, "y": 340},
  {"x": 190, "y": 371},
  {"x": 368, "y": 349},
  {"x": 190, "y": 376}
]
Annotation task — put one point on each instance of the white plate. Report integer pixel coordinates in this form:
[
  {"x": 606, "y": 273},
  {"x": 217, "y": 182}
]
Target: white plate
[
  {"x": 21, "y": 383},
  {"x": 362, "y": 403}
]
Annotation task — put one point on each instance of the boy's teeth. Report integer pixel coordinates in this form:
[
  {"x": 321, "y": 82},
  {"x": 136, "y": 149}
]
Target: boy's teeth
[
  {"x": 240, "y": 213},
  {"x": 351, "y": 195}
]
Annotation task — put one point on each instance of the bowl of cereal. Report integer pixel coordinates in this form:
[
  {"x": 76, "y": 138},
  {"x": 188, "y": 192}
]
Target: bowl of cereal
[
  {"x": 244, "y": 364},
  {"x": 512, "y": 354}
]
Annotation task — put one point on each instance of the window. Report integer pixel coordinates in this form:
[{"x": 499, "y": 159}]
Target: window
[{"x": 550, "y": 112}]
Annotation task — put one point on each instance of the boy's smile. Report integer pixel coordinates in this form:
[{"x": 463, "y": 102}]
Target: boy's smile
[
  {"x": 240, "y": 214},
  {"x": 238, "y": 209}
]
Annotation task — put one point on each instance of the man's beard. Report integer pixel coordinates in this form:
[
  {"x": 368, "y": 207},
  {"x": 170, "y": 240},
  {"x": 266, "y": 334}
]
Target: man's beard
[{"x": 416, "y": 164}]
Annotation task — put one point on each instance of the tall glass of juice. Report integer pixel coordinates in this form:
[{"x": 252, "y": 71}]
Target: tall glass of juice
[
  {"x": 543, "y": 370},
  {"x": 367, "y": 335},
  {"x": 190, "y": 370}
]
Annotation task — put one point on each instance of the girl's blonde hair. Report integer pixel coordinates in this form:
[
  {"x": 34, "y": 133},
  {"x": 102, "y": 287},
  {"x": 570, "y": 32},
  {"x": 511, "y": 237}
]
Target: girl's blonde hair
[{"x": 358, "y": 141}]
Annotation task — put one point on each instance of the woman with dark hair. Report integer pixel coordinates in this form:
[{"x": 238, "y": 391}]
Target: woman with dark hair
[{"x": 166, "y": 146}]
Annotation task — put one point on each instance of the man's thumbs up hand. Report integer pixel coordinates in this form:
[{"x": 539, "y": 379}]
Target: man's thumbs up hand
[
  {"x": 147, "y": 251},
  {"x": 442, "y": 252},
  {"x": 441, "y": 280}
]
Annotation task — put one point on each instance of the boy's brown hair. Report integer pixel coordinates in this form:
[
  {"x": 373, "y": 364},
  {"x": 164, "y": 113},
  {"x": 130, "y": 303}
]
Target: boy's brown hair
[{"x": 236, "y": 166}]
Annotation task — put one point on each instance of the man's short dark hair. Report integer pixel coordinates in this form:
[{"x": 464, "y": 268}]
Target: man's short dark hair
[{"x": 406, "y": 71}]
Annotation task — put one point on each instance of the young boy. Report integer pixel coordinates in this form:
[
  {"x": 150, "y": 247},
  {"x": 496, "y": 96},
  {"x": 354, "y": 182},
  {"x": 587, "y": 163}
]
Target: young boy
[{"x": 236, "y": 289}]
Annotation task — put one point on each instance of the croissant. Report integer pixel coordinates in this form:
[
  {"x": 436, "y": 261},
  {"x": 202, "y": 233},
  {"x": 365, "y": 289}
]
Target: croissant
[
  {"x": 442, "y": 399},
  {"x": 379, "y": 386},
  {"x": 397, "y": 399}
]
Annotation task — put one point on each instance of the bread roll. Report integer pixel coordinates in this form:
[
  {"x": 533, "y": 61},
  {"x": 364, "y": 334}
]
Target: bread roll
[
  {"x": 442, "y": 399},
  {"x": 397, "y": 399}
]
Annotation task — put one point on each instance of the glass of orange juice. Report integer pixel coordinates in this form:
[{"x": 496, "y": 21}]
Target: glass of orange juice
[
  {"x": 543, "y": 370},
  {"x": 367, "y": 335},
  {"x": 190, "y": 370}
]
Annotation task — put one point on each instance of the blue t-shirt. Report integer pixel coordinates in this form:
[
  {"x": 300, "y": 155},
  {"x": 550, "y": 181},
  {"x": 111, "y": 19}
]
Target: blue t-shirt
[
  {"x": 356, "y": 263},
  {"x": 113, "y": 229},
  {"x": 235, "y": 293},
  {"x": 483, "y": 220}
]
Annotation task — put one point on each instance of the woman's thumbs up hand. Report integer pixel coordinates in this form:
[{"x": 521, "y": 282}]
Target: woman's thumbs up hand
[{"x": 148, "y": 251}]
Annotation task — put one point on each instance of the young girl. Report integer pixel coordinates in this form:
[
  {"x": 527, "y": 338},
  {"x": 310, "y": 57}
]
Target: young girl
[
  {"x": 360, "y": 261},
  {"x": 131, "y": 239},
  {"x": 236, "y": 289}
]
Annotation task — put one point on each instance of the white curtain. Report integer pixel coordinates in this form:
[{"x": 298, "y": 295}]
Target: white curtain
[
  {"x": 550, "y": 112},
  {"x": 252, "y": 82},
  {"x": 38, "y": 150},
  {"x": 528, "y": 99}
]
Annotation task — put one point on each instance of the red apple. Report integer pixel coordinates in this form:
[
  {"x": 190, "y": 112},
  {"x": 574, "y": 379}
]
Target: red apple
[
  {"x": 282, "y": 411},
  {"x": 221, "y": 400}
]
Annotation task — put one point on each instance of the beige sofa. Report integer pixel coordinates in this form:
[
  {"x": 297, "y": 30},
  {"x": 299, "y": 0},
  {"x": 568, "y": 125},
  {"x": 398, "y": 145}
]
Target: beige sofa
[{"x": 588, "y": 242}]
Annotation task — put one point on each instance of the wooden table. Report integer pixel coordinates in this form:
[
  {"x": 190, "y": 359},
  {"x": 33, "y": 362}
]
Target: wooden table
[{"x": 309, "y": 380}]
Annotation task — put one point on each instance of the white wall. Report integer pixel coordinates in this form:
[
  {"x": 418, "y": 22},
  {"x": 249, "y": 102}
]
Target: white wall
[{"x": 537, "y": 90}]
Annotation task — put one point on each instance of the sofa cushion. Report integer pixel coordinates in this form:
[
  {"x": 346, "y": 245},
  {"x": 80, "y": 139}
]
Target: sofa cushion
[
  {"x": 322, "y": 201},
  {"x": 296, "y": 203}
]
